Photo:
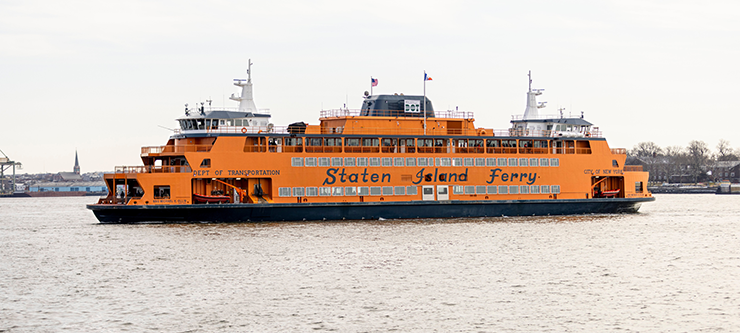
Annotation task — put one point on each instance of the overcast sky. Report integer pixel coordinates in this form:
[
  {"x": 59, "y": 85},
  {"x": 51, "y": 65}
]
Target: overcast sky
[{"x": 101, "y": 77}]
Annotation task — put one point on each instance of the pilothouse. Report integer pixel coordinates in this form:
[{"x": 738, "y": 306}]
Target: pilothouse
[
  {"x": 245, "y": 118},
  {"x": 534, "y": 124}
]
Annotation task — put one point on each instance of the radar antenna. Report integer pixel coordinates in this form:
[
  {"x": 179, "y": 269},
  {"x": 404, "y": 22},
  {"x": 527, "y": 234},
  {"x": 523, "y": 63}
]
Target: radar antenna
[
  {"x": 246, "y": 103},
  {"x": 532, "y": 105}
]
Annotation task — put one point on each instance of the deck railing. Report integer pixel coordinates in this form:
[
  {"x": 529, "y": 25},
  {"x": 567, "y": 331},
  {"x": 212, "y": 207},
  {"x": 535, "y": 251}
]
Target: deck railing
[
  {"x": 431, "y": 130},
  {"x": 619, "y": 151},
  {"x": 196, "y": 110},
  {"x": 222, "y": 129},
  {"x": 154, "y": 169},
  {"x": 146, "y": 151},
  {"x": 394, "y": 113}
]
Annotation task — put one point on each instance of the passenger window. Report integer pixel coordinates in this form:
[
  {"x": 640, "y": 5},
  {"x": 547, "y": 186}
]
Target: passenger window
[{"x": 161, "y": 192}]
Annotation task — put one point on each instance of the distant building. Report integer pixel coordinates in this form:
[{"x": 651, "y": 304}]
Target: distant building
[
  {"x": 727, "y": 170},
  {"x": 70, "y": 186},
  {"x": 67, "y": 177},
  {"x": 69, "y": 183},
  {"x": 77, "y": 164}
]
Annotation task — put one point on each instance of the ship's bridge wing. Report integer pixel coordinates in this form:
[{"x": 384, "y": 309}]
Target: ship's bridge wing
[
  {"x": 551, "y": 126},
  {"x": 212, "y": 120}
]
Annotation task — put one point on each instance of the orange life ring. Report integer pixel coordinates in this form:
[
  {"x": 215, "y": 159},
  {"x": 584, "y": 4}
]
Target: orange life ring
[{"x": 244, "y": 130}]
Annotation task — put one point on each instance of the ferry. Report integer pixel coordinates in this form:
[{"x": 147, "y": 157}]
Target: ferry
[{"x": 395, "y": 158}]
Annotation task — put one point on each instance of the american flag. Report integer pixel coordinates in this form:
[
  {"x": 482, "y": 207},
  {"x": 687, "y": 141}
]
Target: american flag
[{"x": 374, "y": 82}]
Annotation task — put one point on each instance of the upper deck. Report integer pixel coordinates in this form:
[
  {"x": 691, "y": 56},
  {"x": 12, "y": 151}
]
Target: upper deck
[{"x": 352, "y": 122}]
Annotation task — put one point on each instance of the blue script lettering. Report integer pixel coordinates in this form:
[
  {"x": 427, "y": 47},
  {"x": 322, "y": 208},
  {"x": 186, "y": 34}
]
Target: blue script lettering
[
  {"x": 530, "y": 178},
  {"x": 440, "y": 177},
  {"x": 332, "y": 173}
]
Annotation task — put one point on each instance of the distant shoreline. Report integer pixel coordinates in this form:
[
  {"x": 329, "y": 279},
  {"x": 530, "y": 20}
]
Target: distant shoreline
[{"x": 683, "y": 189}]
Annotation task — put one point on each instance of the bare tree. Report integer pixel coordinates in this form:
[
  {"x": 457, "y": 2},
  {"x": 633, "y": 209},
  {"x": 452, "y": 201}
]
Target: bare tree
[
  {"x": 698, "y": 155},
  {"x": 725, "y": 151},
  {"x": 645, "y": 149},
  {"x": 675, "y": 161},
  {"x": 650, "y": 155}
]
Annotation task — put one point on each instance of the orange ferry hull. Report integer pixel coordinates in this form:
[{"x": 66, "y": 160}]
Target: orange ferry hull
[{"x": 361, "y": 211}]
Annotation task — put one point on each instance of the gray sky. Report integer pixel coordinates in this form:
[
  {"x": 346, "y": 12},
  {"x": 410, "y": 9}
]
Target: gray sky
[{"x": 101, "y": 76}]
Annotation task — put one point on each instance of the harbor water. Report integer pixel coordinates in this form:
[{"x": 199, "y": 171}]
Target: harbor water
[{"x": 674, "y": 266}]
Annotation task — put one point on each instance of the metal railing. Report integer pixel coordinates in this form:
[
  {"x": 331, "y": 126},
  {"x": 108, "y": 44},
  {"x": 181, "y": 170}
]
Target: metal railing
[
  {"x": 431, "y": 129},
  {"x": 222, "y": 129},
  {"x": 394, "y": 113},
  {"x": 153, "y": 169},
  {"x": 195, "y": 111},
  {"x": 146, "y": 151},
  {"x": 594, "y": 133},
  {"x": 540, "y": 117}
]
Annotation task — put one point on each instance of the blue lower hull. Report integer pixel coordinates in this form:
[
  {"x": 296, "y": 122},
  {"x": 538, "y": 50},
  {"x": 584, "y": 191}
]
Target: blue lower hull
[{"x": 360, "y": 210}]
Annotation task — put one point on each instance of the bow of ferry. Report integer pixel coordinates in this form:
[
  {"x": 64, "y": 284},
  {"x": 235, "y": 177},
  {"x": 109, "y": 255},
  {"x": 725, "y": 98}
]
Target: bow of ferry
[{"x": 394, "y": 158}]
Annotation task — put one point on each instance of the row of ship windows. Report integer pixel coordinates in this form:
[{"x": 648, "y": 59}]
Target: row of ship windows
[
  {"x": 422, "y": 161},
  {"x": 420, "y": 143},
  {"x": 412, "y": 190}
]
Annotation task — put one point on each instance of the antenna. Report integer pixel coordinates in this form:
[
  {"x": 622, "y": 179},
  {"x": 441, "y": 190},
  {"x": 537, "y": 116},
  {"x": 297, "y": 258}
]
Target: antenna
[{"x": 249, "y": 71}]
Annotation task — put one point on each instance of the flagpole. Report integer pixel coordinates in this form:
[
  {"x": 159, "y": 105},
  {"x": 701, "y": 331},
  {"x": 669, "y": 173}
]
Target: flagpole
[
  {"x": 424, "y": 103},
  {"x": 371, "y": 85}
]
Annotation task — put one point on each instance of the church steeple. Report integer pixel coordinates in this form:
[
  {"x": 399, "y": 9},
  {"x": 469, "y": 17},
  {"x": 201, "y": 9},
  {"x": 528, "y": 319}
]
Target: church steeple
[{"x": 77, "y": 164}]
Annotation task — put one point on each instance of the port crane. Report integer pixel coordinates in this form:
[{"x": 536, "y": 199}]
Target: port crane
[{"x": 7, "y": 186}]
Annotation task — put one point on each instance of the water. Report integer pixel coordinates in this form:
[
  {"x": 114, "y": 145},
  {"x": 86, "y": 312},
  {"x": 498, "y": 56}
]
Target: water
[{"x": 672, "y": 267}]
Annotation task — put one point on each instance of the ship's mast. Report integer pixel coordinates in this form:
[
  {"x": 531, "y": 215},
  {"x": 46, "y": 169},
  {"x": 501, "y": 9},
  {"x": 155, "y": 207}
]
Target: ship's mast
[
  {"x": 246, "y": 103},
  {"x": 531, "y": 111}
]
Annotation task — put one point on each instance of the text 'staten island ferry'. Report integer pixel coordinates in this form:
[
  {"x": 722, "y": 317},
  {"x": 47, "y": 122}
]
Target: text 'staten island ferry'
[{"x": 394, "y": 158}]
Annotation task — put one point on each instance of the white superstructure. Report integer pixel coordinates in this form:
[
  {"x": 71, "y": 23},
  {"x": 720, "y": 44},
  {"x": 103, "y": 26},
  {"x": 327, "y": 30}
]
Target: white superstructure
[
  {"x": 246, "y": 103},
  {"x": 532, "y": 110},
  {"x": 534, "y": 124},
  {"x": 244, "y": 119}
]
